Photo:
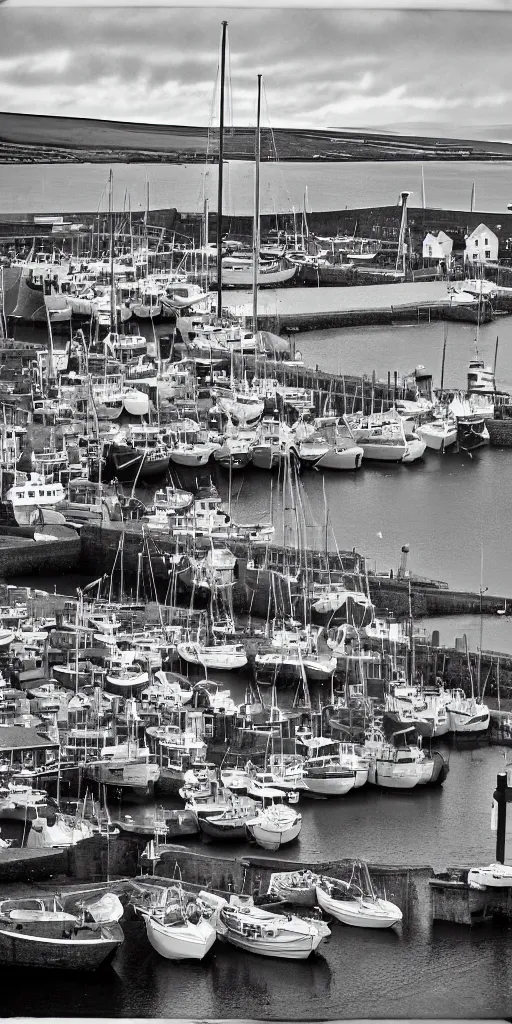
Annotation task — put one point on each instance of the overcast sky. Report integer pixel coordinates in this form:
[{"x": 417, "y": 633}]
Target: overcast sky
[{"x": 445, "y": 69}]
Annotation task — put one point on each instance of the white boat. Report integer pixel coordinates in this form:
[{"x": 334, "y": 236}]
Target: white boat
[
  {"x": 348, "y": 903},
  {"x": 276, "y": 935},
  {"x": 439, "y": 434},
  {"x": 238, "y": 273},
  {"x": 326, "y": 776},
  {"x": 415, "y": 448},
  {"x": 467, "y": 715},
  {"x": 184, "y": 454},
  {"x": 179, "y": 926},
  {"x": 380, "y": 435},
  {"x": 275, "y": 825},
  {"x": 127, "y": 681},
  {"x": 34, "y": 494},
  {"x": 225, "y": 657},
  {"x": 494, "y": 876},
  {"x": 235, "y": 779},
  {"x": 391, "y": 767},
  {"x": 135, "y": 402}
]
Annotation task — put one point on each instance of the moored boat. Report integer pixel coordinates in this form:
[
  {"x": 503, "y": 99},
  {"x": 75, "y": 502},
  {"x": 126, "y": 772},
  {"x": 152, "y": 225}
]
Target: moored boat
[{"x": 45, "y": 932}]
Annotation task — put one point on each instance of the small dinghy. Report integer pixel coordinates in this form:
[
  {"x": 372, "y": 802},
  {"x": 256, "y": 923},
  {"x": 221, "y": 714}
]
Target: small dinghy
[
  {"x": 296, "y": 887},
  {"x": 179, "y": 926},
  {"x": 267, "y": 933},
  {"x": 274, "y": 826},
  {"x": 48, "y": 932},
  {"x": 494, "y": 876},
  {"x": 229, "y": 824},
  {"x": 356, "y": 904}
]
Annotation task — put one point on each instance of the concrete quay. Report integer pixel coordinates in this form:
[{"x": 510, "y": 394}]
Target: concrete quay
[
  {"x": 21, "y": 555},
  {"x": 423, "y": 896},
  {"x": 100, "y": 543},
  {"x": 303, "y": 309}
]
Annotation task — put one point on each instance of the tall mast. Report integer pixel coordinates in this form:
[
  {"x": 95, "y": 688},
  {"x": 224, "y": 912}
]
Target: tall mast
[
  {"x": 113, "y": 318},
  {"x": 221, "y": 168},
  {"x": 256, "y": 225}
]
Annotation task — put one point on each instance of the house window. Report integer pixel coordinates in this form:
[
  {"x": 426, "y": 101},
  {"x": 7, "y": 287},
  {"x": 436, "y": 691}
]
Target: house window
[
  {"x": 486, "y": 241},
  {"x": 476, "y": 242},
  {"x": 475, "y": 255},
  {"x": 31, "y": 494},
  {"x": 430, "y": 250},
  {"x": 487, "y": 254}
]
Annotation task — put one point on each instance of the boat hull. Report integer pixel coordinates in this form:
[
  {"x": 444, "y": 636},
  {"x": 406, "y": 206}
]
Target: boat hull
[
  {"x": 285, "y": 949},
  {"x": 181, "y": 942},
  {"x": 384, "y": 452},
  {"x": 273, "y": 838},
  {"x": 333, "y": 786},
  {"x": 391, "y": 776},
  {"x": 18, "y": 950},
  {"x": 342, "y": 458},
  {"x": 360, "y": 913}
]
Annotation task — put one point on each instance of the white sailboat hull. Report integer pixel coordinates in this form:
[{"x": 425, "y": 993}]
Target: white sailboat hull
[
  {"x": 193, "y": 457},
  {"x": 341, "y": 458},
  {"x": 329, "y": 786},
  {"x": 285, "y": 946},
  {"x": 360, "y": 913},
  {"x": 185, "y": 941},
  {"x": 393, "y": 776},
  {"x": 437, "y": 439},
  {"x": 136, "y": 403},
  {"x": 384, "y": 452},
  {"x": 221, "y": 659},
  {"x": 270, "y": 835}
]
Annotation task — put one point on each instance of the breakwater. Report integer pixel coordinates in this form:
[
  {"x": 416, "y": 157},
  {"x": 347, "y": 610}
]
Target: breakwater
[
  {"x": 406, "y": 313},
  {"x": 100, "y": 545},
  {"x": 22, "y": 555}
]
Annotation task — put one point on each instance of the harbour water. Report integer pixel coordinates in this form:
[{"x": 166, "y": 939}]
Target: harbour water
[
  {"x": 59, "y": 188},
  {"x": 446, "y": 508}
]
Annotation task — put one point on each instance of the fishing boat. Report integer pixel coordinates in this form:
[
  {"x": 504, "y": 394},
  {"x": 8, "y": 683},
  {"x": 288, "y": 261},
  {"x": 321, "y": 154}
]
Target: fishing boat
[
  {"x": 390, "y": 767},
  {"x": 438, "y": 433},
  {"x": 274, "y": 825},
  {"x": 57, "y": 932},
  {"x": 230, "y": 823},
  {"x": 188, "y": 454},
  {"x": 494, "y": 876},
  {"x": 326, "y": 776},
  {"x": 179, "y": 925},
  {"x": 467, "y": 715},
  {"x": 269, "y": 934},
  {"x": 296, "y": 887},
  {"x": 351, "y": 904},
  {"x": 135, "y": 402},
  {"x": 225, "y": 657},
  {"x": 380, "y": 435}
]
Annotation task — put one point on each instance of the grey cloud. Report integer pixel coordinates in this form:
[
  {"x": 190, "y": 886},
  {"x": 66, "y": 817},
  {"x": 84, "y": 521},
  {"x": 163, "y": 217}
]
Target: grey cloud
[{"x": 314, "y": 63}]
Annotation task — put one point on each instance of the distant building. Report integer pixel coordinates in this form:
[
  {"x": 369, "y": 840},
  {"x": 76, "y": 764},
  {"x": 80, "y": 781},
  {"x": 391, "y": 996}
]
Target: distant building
[
  {"x": 481, "y": 246},
  {"x": 438, "y": 248}
]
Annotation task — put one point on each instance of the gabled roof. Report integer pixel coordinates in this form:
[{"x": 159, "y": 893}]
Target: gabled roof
[
  {"x": 479, "y": 229},
  {"x": 19, "y": 737}
]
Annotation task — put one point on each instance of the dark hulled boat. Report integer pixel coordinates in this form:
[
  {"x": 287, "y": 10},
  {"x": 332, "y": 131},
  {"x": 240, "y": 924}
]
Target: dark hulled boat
[{"x": 45, "y": 932}]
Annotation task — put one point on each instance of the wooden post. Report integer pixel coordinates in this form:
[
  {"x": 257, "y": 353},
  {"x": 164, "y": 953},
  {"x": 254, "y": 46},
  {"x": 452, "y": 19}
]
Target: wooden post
[{"x": 500, "y": 795}]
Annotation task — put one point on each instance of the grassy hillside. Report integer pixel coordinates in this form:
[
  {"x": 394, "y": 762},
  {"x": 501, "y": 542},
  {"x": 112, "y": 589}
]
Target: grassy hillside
[{"x": 33, "y": 138}]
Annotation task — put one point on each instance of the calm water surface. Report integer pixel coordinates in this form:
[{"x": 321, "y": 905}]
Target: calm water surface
[
  {"x": 59, "y": 188},
  {"x": 427, "y": 970},
  {"x": 445, "y": 508}
]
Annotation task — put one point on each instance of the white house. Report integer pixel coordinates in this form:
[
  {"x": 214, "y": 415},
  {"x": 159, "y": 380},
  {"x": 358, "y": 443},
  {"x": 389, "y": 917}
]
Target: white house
[
  {"x": 481, "y": 246},
  {"x": 437, "y": 247}
]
